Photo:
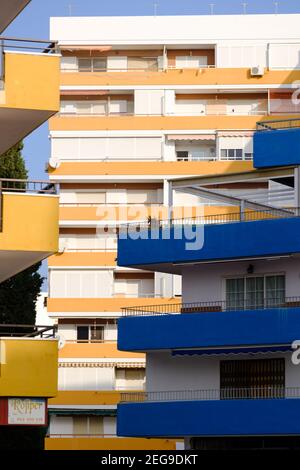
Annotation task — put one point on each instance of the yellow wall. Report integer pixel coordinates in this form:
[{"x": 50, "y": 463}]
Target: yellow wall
[
  {"x": 28, "y": 367},
  {"x": 80, "y": 123},
  {"x": 86, "y": 397},
  {"x": 150, "y": 168},
  {"x": 95, "y": 350},
  {"x": 83, "y": 259},
  {"x": 213, "y": 76},
  {"x": 32, "y": 81},
  {"x": 103, "y": 304},
  {"x": 30, "y": 223},
  {"x": 113, "y": 443}
]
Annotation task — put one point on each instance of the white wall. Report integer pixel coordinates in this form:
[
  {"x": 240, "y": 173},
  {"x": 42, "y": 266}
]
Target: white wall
[
  {"x": 206, "y": 282},
  {"x": 164, "y": 372},
  {"x": 175, "y": 29}
]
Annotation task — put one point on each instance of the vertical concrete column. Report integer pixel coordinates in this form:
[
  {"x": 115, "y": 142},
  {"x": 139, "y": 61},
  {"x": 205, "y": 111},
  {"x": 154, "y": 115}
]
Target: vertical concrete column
[
  {"x": 297, "y": 189},
  {"x": 168, "y": 198}
]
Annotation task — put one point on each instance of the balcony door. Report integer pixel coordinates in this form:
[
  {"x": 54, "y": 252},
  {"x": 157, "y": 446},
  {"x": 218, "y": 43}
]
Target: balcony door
[
  {"x": 257, "y": 378},
  {"x": 254, "y": 292}
]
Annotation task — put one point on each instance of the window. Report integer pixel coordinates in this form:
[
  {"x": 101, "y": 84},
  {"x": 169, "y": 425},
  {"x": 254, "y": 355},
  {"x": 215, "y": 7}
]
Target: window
[
  {"x": 92, "y": 65},
  {"x": 255, "y": 292},
  {"x": 182, "y": 155},
  {"x": 88, "y": 425},
  {"x": 97, "y": 333},
  {"x": 258, "y": 378},
  {"x": 88, "y": 333},
  {"x": 248, "y": 156},
  {"x": 231, "y": 154},
  {"x": 191, "y": 62},
  {"x": 83, "y": 334},
  {"x": 142, "y": 63}
]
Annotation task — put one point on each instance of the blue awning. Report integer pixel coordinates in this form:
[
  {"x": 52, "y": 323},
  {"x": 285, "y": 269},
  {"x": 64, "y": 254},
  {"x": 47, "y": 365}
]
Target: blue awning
[{"x": 233, "y": 350}]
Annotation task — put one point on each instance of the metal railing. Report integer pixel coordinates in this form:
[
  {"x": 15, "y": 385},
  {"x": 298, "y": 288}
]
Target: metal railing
[
  {"x": 154, "y": 69},
  {"x": 27, "y": 331},
  {"x": 243, "y": 393},
  {"x": 211, "y": 306},
  {"x": 28, "y": 44},
  {"x": 277, "y": 124},
  {"x": 24, "y": 186},
  {"x": 241, "y": 216}
]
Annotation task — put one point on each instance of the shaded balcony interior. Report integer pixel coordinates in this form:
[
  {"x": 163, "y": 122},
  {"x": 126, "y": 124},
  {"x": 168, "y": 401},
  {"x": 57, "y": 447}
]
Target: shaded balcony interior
[{"x": 100, "y": 59}]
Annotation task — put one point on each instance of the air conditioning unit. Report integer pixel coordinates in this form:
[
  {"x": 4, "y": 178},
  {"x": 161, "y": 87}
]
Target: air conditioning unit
[{"x": 257, "y": 71}]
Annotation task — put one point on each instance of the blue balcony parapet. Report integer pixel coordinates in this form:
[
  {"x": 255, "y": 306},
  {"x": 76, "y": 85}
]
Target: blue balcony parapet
[
  {"x": 271, "y": 328},
  {"x": 234, "y": 417},
  {"x": 213, "y": 242},
  {"x": 277, "y": 143}
]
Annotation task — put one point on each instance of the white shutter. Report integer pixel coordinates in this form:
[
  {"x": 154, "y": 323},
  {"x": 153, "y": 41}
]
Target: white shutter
[
  {"x": 93, "y": 147},
  {"x": 190, "y": 107},
  {"x": 116, "y": 196},
  {"x": 283, "y": 56},
  {"x": 121, "y": 147},
  {"x": 91, "y": 198},
  {"x": 65, "y": 148},
  {"x": 117, "y": 63},
  {"x": 148, "y": 147},
  {"x": 68, "y": 64}
]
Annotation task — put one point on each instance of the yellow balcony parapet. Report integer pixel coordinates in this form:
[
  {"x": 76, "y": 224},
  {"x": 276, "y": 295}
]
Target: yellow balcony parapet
[
  {"x": 29, "y": 224},
  {"x": 72, "y": 442},
  {"x": 28, "y": 364},
  {"x": 29, "y": 91},
  {"x": 204, "y": 76}
]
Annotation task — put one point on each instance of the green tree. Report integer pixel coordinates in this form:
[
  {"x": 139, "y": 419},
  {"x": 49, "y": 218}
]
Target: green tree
[{"x": 12, "y": 164}]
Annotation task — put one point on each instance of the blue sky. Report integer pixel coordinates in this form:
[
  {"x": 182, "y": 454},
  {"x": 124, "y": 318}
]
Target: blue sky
[{"x": 33, "y": 22}]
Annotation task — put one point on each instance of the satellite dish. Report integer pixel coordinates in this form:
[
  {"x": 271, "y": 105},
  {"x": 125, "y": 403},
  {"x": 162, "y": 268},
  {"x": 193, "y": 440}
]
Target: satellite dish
[
  {"x": 61, "y": 341},
  {"x": 54, "y": 163}
]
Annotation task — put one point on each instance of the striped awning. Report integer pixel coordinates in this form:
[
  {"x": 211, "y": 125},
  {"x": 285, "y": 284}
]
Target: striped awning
[
  {"x": 118, "y": 365},
  {"x": 233, "y": 350},
  {"x": 73, "y": 47},
  {"x": 235, "y": 134},
  {"x": 192, "y": 137}
]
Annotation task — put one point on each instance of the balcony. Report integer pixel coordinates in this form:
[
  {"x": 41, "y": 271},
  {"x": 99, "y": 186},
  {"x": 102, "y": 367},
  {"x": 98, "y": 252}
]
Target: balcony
[
  {"x": 277, "y": 143},
  {"x": 236, "y": 412},
  {"x": 29, "y": 87},
  {"x": 28, "y": 361},
  {"x": 28, "y": 224},
  {"x": 211, "y": 328},
  {"x": 169, "y": 245},
  {"x": 9, "y": 11}
]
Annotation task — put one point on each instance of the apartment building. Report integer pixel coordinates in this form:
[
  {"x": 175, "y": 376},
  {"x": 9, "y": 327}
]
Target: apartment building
[
  {"x": 29, "y": 95},
  {"x": 143, "y": 100},
  {"x": 223, "y": 365}
]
